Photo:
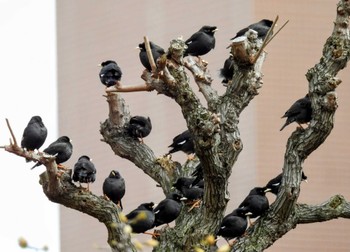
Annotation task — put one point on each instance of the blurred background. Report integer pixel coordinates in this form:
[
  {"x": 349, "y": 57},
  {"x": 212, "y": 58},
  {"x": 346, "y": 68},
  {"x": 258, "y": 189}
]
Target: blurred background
[{"x": 53, "y": 49}]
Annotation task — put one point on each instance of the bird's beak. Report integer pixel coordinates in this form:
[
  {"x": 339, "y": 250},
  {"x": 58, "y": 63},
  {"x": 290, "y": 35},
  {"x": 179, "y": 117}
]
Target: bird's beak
[
  {"x": 305, "y": 180},
  {"x": 183, "y": 199},
  {"x": 113, "y": 173},
  {"x": 267, "y": 190},
  {"x": 172, "y": 188},
  {"x": 216, "y": 30},
  {"x": 249, "y": 214},
  {"x": 99, "y": 65},
  {"x": 137, "y": 48},
  {"x": 154, "y": 205}
]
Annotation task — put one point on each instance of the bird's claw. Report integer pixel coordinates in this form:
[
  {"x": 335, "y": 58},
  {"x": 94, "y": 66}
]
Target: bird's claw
[
  {"x": 195, "y": 204},
  {"x": 59, "y": 174},
  {"x": 190, "y": 156},
  {"x": 156, "y": 234},
  {"x": 62, "y": 167}
]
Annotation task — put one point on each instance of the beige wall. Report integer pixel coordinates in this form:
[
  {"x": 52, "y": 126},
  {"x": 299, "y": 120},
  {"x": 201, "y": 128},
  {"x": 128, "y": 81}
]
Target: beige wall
[{"x": 90, "y": 32}]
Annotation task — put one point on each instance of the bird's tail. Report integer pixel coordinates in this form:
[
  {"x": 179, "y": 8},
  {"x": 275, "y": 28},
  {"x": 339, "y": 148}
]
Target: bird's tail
[
  {"x": 284, "y": 125},
  {"x": 37, "y": 164}
]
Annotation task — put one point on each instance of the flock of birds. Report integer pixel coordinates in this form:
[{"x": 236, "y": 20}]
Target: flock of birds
[{"x": 190, "y": 189}]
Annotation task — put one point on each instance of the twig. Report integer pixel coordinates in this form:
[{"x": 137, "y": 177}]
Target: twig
[
  {"x": 125, "y": 89},
  {"x": 11, "y": 132},
  {"x": 149, "y": 55},
  {"x": 267, "y": 40},
  {"x": 274, "y": 35}
]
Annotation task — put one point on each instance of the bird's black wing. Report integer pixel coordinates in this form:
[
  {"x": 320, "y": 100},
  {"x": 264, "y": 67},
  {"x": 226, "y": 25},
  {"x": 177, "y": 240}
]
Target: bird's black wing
[
  {"x": 132, "y": 214},
  {"x": 194, "y": 37}
]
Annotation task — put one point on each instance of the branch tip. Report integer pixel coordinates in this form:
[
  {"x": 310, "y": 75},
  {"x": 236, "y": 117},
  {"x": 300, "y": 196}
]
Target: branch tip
[
  {"x": 12, "y": 134},
  {"x": 149, "y": 55},
  {"x": 267, "y": 39}
]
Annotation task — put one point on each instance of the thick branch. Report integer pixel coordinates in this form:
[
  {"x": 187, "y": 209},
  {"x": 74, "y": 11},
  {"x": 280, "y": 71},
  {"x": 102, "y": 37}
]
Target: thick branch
[
  {"x": 322, "y": 83},
  {"x": 324, "y": 104},
  {"x": 58, "y": 187},
  {"x": 217, "y": 144},
  {"x": 266, "y": 231},
  {"x": 335, "y": 207},
  {"x": 115, "y": 134}
]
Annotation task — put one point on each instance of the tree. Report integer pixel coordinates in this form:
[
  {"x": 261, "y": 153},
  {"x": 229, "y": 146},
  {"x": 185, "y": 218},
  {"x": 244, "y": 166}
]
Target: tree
[{"x": 218, "y": 144}]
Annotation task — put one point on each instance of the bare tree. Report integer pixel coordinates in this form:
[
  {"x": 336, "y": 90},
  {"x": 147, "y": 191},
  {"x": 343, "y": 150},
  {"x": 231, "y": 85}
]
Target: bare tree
[{"x": 217, "y": 144}]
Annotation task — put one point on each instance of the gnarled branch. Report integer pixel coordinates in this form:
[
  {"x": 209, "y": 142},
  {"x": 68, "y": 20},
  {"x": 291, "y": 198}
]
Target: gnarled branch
[
  {"x": 59, "y": 188},
  {"x": 302, "y": 142}
]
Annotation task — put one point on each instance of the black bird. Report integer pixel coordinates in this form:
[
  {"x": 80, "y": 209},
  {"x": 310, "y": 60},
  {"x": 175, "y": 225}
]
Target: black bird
[
  {"x": 142, "y": 218},
  {"x": 300, "y": 112},
  {"x": 168, "y": 209},
  {"x": 182, "y": 142},
  {"x": 275, "y": 183},
  {"x": 156, "y": 50},
  {"x": 201, "y": 42},
  {"x": 262, "y": 27},
  {"x": 227, "y": 71},
  {"x": 62, "y": 149},
  {"x": 84, "y": 171},
  {"x": 233, "y": 225},
  {"x": 34, "y": 135},
  {"x": 114, "y": 187},
  {"x": 193, "y": 193},
  {"x": 110, "y": 73},
  {"x": 139, "y": 126},
  {"x": 256, "y": 202},
  {"x": 189, "y": 182}
]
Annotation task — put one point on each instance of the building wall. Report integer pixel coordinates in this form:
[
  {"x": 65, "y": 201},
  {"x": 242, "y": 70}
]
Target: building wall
[{"x": 89, "y": 33}]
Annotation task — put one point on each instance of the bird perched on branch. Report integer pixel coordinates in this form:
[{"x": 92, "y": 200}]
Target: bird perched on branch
[
  {"x": 62, "y": 149},
  {"x": 139, "y": 126},
  {"x": 182, "y": 142},
  {"x": 110, "y": 73},
  {"x": 192, "y": 194},
  {"x": 275, "y": 183},
  {"x": 34, "y": 135},
  {"x": 201, "y": 42},
  {"x": 300, "y": 112},
  {"x": 168, "y": 209},
  {"x": 156, "y": 50},
  {"x": 142, "y": 218},
  {"x": 227, "y": 71},
  {"x": 256, "y": 203},
  {"x": 234, "y": 224},
  {"x": 114, "y": 188},
  {"x": 190, "y": 182},
  {"x": 262, "y": 27},
  {"x": 84, "y": 171}
]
